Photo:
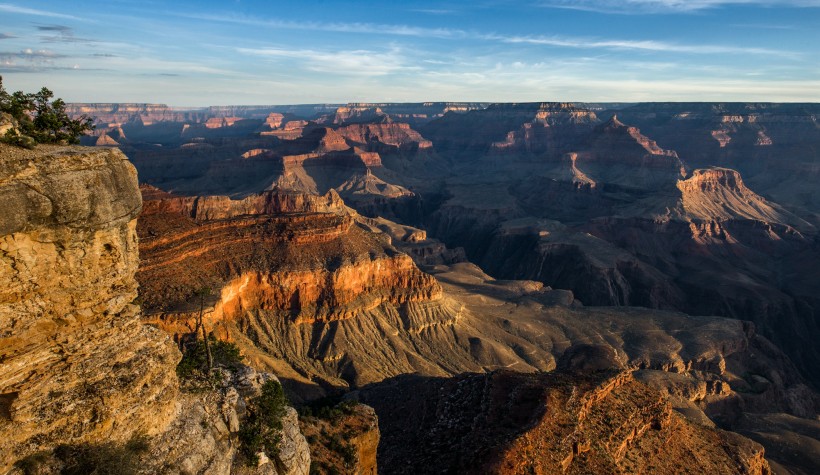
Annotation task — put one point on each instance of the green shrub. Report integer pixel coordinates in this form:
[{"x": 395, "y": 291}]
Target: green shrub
[
  {"x": 102, "y": 459},
  {"x": 31, "y": 465},
  {"x": 328, "y": 408},
  {"x": 194, "y": 364},
  {"x": 13, "y": 138},
  {"x": 262, "y": 429}
]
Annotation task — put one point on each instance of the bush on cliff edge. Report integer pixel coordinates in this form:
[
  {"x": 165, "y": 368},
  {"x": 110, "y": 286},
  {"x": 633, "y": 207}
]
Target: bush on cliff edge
[
  {"x": 40, "y": 120},
  {"x": 262, "y": 429}
]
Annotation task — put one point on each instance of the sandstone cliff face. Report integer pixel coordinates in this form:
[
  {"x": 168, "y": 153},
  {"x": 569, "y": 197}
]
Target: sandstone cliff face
[
  {"x": 721, "y": 194},
  {"x": 385, "y": 137},
  {"x": 76, "y": 363},
  {"x": 354, "y": 113},
  {"x": 325, "y": 295},
  {"x": 77, "y": 366},
  {"x": 210, "y": 208}
]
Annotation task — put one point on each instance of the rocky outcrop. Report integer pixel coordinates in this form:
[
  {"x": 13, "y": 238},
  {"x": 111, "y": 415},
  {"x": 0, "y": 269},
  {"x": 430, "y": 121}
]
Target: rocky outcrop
[
  {"x": 720, "y": 194},
  {"x": 211, "y": 208},
  {"x": 561, "y": 422},
  {"x": 76, "y": 363},
  {"x": 356, "y": 113},
  {"x": 204, "y": 436},
  {"x": 343, "y": 439},
  {"x": 619, "y": 154},
  {"x": 385, "y": 137},
  {"x": 7, "y": 123},
  {"x": 274, "y": 120},
  {"x": 78, "y": 369},
  {"x": 105, "y": 140},
  {"x": 219, "y": 122}
]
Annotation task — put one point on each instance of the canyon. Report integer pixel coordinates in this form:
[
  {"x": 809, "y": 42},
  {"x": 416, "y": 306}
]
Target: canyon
[{"x": 513, "y": 288}]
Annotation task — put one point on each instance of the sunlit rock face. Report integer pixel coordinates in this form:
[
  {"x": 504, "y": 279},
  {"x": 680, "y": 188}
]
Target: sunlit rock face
[{"x": 76, "y": 363}]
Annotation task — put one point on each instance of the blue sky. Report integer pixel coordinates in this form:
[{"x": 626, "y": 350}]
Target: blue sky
[{"x": 192, "y": 53}]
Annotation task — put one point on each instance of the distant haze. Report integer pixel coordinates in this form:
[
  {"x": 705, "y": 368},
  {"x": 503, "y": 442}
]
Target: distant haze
[{"x": 196, "y": 53}]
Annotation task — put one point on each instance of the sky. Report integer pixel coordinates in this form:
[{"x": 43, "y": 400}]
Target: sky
[{"x": 208, "y": 52}]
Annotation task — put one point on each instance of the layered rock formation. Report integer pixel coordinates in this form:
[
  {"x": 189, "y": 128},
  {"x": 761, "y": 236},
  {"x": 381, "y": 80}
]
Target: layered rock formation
[
  {"x": 609, "y": 213},
  {"x": 111, "y": 114},
  {"x": 772, "y": 145},
  {"x": 411, "y": 113},
  {"x": 531, "y": 127},
  {"x": 561, "y": 422},
  {"x": 77, "y": 364},
  {"x": 383, "y": 137},
  {"x": 337, "y": 307},
  {"x": 284, "y": 276}
]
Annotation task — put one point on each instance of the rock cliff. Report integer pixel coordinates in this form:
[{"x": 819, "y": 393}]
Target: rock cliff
[
  {"x": 384, "y": 137},
  {"x": 79, "y": 372},
  {"x": 76, "y": 363}
]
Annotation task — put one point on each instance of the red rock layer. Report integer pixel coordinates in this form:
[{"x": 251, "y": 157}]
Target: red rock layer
[
  {"x": 219, "y": 122},
  {"x": 296, "y": 255},
  {"x": 375, "y": 137},
  {"x": 208, "y": 208}
]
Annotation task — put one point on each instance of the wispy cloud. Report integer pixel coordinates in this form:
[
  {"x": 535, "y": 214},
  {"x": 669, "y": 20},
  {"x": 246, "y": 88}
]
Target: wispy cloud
[
  {"x": 360, "y": 28},
  {"x": 61, "y": 34},
  {"x": 30, "y": 53},
  {"x": 458, "y": 34},
  {"x": 763, "y": 26},
  {"x": 346, "y": 63},
  {"x": 10, "y": 8},
  {"x": 644, "y": 45},
  {"x": 57, "y": 28},
  {"x": 28, "y": 59},
  {"x": 5, "y": 36},
  {"x": 433, "y": 11},
  {"x": 580, "y": 80},
  {"x": 667, "y": 6},
  {"x": 153, "y": 65}
]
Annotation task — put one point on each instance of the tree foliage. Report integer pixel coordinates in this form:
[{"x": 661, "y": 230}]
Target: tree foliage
[
  {"x": 41, "y": 119},
  {"x": 194, "y": 369},
  {"x": 262, "y": 429}
]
